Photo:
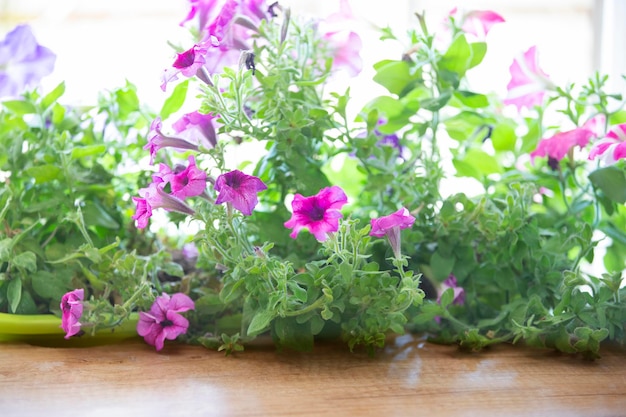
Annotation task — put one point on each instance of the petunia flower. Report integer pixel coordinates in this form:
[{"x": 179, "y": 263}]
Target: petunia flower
[
  {"x": 157, "y": 140},
  {"x": 164, "y": 321},
  {"x": 319, "y": 213},
  {"x": 478, "y": 22},
  {"x": 188, "y": 63},
  {"x": 459, "y": 292},
  {"x": 197, "y": 128},
  {"x": 23, "y": 62},
  {"x": 72, "y": 311},
  {"x": 558, "y": 146},
  {"x": 184, "y": 182},
  {"x": 154, "y": 197},
  {"x": 611, "y": 148},
  {"x": 529, "y": 83},
  {"x": 201, "y": 10},
  {"x": 239, "y": 189},
  {"x": 345, "y": 44},
  {"x": 390, "y": 226}
]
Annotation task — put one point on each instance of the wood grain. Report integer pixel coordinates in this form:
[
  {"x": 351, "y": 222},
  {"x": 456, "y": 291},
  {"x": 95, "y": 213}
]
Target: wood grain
[{"x": 408, "y": 378}]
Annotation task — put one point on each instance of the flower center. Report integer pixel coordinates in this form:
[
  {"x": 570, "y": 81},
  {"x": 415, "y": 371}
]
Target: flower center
[
  {"x": 167, "y": 323},
  {"x": 185, "y": 59},
  {"x": 316, "y": 212}
]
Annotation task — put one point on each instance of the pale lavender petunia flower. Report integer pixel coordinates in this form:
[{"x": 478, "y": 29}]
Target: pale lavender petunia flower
[
  {"x": 390, "y": 226},
  {"x": 459, "y": 292},
  {"x": 477, "y": 22},
  {"x": 72, "y": 311},
  {"x": 157, "y": 140},
  {"x": 197, "y": 128},
  {"x": 611, "y": 148},
  {"x": 239, "y": 189},
  {"x": 345, "y": 44},
  {"x": 529, "y": 82},
  {"x": 164, "y": 321},
  {"x": 319, "y": 213},
  {"x": 23, "y": 62}
]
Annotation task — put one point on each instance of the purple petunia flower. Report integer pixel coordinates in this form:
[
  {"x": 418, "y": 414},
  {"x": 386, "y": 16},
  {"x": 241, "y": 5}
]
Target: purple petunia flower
[
  {"x": 154, "y": 197},
  {"x": 528, "y": 83},
  {"x": 612, "y": 148},
  {"x": 164, "y": 321},
  {"x": 157, "y": 140},
  {"x": 197, "y": 128},
  {"x": 72, "y": 311},
  {"x": 319, "y": 213},
  {"x": 188, "y": 63},
  {"x": 23, "y": 62},
  {"x": 345, "y": 45},
  {"x": 239, "y": 189},
  {"x": 390, "y": 226},
  {"x": 558, "y": 146},
  {"x": 184, "y": 182},
  {"x": 459, "y": 292}
]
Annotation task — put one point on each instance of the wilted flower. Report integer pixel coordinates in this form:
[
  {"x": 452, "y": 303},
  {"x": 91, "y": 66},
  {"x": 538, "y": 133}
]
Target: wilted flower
[
  {"x": 528, "y": 83},
  {"x": 164, "y": 321},
  {"x": 390, "y": 226},
  {"x": 154, "y": 197},
  {"x": 23, "y": 62},
  {"x": 240, "y": 190},
  {"x": 157, "y": 140},
  {"x": 319, "y": 213},
  {"x": 72, "y": 311},
  {"x": 612, "y": 148}
]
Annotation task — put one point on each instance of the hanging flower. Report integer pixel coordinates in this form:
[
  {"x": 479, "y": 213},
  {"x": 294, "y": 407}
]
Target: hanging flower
[
  {"x": 188, "y": 63},
  {"x": 72, "y": 311},
  {"x": 23, "y": 62},
  {"x": 478, "y": 22},
  {"x": 390, "y": 226},
  {"x": 154, "y": 197},
  {"x": 612, "y": 148},
  {"x": 558, "y": 146},
  {"x": 345, "y": 44},
  {"x": 184, "y": 182},
  {"x": 240, "y": 190},
  {"x": 528, "y": 83},
  {"x": 157, "y": 140},
  {"x": 197, "y": 128},
  {"x": 164, "y": 321},
  {"x": 319, "y": 213}
]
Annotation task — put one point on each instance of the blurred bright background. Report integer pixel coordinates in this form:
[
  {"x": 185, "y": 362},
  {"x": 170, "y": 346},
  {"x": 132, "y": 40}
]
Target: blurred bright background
[{"x": 101, "y": 44}]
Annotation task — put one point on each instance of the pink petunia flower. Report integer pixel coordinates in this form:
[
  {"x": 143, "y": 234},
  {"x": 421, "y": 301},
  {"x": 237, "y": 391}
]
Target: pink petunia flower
[
  {"x": 239, "y": 189},
  {"x": 345, "y": 44},
  {"x": 558, "y": 146},
  {"x": 23, "y": 62},
  {"x": 478, "y": 22},
  {"x": 197, "y": 128},
  {"x": 459, "y": 292},
  {"x": 164, "y": 321},
  {"x": 528, "y": 83},
  {"x": 319, "y": 213},
  {"x": 154, "y": 197},
  {"x": 188, "y": 63},
  {"x": 72, "y": 311},
  {"x": 611, "y": 148},
  {"x": 184, "y": 182},
  {"x": 157, "y": 140},
  {"x": 203, "y": 11},
  {"x": 390, "y": 226}
]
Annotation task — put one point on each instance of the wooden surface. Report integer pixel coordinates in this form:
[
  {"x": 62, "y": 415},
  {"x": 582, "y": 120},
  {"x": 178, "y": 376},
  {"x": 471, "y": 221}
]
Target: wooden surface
[{"x": 408, "y": 378}]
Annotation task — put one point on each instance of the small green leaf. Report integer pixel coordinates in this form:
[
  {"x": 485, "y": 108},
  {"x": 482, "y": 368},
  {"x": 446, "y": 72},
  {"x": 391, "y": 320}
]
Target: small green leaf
[
  {"x": 20, "y": 107},
  {"x": 458, "y": 56},
  {"x": 44, "y": 173},
  {"x": 83, "y": 151},
  {"x": 26, "y": 261},
  {"x": 53, "y": 96},
  {"x": 260, "y": 322},
  {"x": 611, "y": 181},
  {"x": 175, "y": 101},
  {"x": 441, "y": 266},
  {"x": 14, "y": 293},
  {"x": 50, "y": 286},
  {"x": 471, "y": 99},
  {"x": 503, "y": 137}
]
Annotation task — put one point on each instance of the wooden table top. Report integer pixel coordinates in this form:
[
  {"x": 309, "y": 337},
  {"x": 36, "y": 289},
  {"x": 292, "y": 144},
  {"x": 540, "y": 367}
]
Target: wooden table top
[{"x": 409, "y": 377}]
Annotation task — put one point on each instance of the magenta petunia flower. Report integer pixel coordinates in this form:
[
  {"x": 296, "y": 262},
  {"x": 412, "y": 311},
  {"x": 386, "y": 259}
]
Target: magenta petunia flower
[
  {"x": 157, "y": 140},
  {"x": 319, "y": 213},
  {"x": 197, "y": 128},
  {"x": 154, "y": 197},
  {"x": 184, "y": 182},
  {"x": 72, "y": 311},
  {"x": 345, "y": 44},
  {"x": 164, "y": 321},
  {"x": 611, "y": 148},
  {"x": 188, "y": 63},
  {"x": 239, "y": 189},
  {"x": 528, "y": 83},
  {"x": 459, "y": 292},
  {"x": 558, "y": 146},
  {"x": 390, "y": 226},
  {"x": 202, "y": 11},
  {"x": 23, "y": 62}
]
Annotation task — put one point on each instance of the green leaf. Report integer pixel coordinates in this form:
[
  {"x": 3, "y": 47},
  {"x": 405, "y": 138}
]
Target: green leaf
[
  {"x": 476, "y": 164},
  {"x": 458, "y": 56},
  {"x": 395, "y": 76},
  {"x": 50, "y": 286},
  {"x": 260, "y": 322},
  {"x": 175, "y": 101},
  {"x": 470, "y": 99},
  {"x": 441, "y": 266},
  {"x": 611, "y": 181},
  {"x": 503, "y": 137},
  {"x": 127, "y": 101},
  {"x": 478, "y": 51},
  {"x": 83, "y": 151},
  {"x": 44, "y": 173},
  {"x": 26, "y": 261},
  {"x": 14, "y": 294},
  {"x": 20, "y": 107},
  {"x": 53, "y": 96}
]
